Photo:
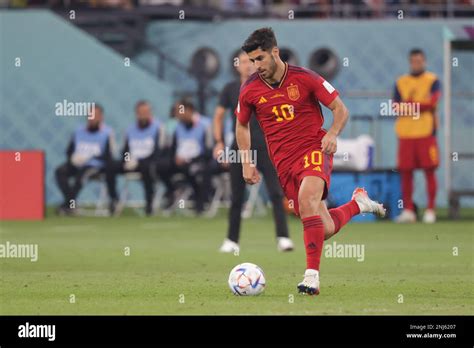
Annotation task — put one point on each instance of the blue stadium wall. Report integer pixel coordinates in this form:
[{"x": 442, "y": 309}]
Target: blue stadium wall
[
  {"x": 376, "y": 53},
  {"x": 61, "y": 62}
]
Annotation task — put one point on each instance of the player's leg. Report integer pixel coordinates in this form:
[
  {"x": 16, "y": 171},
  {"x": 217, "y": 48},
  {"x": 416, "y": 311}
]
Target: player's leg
[
  {"x": 407, "y": 189},
  {"x": 195, "y": 180},
  {"x": 328, "y": 222},
  {"x": 81, "y": 176},
  {"x": 165, "y": 171},
  {"x": 334, "y": 219},
  {"x": 264, "y": 165},
  {"x": 146, "y": 169},
  {"x": 310, "y": 194},
  {"x": 429, "y": 161},
  {"x": 406, "y": 165},
  {"x": 196, "y": 174},
  {"x": 320, "y": 223},
  {"x": 63, "y": 173},
  {"x": 237, "y": 184},
  {"x": 431, "y": 187},
  {"x": 112, "y": 168}
]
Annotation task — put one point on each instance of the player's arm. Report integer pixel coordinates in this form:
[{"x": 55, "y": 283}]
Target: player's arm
[
  {"x": 208, "y": 142},
  {"x": 396, "y": 98},
  {"x": 218, "y": 129},
  {"x": 249, "y": 170},
  {"x": 242, "y": 135},
  {"x": 108, "y": 155},
  {"x": 340, "y": 116},
  {"x": 125, "y": 149},
  {"x": 435, "y": 94},
  {"x": 329, "y": 97}
]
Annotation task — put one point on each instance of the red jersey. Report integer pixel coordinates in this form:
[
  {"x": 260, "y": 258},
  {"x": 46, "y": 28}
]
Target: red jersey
[{"x": 289, "y": 114}]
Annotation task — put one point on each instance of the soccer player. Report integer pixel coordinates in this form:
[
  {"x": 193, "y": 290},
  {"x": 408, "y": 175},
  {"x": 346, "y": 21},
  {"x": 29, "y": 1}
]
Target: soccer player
[
  {"x": 286, "y": 100},
  {"x": 228, "y": 100},
  {"x": 417, "y": 146}
]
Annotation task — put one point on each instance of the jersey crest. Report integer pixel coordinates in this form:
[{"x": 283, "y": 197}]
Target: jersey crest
[{"x": 293, "y": 92}]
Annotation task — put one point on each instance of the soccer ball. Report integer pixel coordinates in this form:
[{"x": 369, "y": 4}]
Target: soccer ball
[{"x": 247, "y": 279}]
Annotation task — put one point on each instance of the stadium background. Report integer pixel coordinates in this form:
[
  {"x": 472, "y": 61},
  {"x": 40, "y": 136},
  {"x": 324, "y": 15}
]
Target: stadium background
[
  {"x": 130, "y": 265},
  {"x": 60, "y": 61}
]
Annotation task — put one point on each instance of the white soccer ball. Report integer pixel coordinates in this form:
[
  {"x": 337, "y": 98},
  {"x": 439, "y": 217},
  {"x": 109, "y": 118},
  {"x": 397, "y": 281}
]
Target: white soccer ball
[{"x": 247, "y": 279}]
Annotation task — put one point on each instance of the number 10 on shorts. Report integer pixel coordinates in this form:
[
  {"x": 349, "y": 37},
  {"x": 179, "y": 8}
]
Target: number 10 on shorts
[{"x": 315, "y": 159}]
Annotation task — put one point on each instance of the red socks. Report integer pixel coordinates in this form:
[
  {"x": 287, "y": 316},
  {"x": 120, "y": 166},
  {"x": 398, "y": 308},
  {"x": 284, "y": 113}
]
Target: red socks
[
  {"x": 431, "y": 187},
  {"x": 407, "y": 189},
  {"x": 313, "y": 240},
  {"x": 341, "y": 215},
  {"x": 314, "y": 231}
]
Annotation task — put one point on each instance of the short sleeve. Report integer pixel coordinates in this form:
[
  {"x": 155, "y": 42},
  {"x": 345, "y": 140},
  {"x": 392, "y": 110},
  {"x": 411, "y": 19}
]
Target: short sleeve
[
  {"x": 244, "y": 109},
  {"x": 321, "y": 89},
  {"x": 396, "y": 94},
  {"x": 436, "y": 87},
  {"x": 224, "y": 99}
]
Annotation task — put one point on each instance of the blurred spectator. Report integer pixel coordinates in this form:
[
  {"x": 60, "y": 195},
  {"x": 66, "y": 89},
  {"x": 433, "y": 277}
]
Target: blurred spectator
[
  {"x": 276, "y": 8},
  {"x": 241, "y": 5},
  {"x": 89, "y": 153},
  {"x": 160, "y": 2},
  {"x": 145, "y": 152},
  {"x": 376, "y": 7},
  {"x": 123, "y": 4},
  {"x": 192, "y": 149},
  {"x": 416, "y": 96}
]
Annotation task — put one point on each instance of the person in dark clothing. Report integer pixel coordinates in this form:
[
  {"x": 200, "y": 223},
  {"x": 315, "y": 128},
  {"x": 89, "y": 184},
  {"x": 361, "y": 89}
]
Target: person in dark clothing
[
  {"x": 228, "y": 100},
  {"x": 144, "y": 152},
  {"x": 90, "y": 152},
  {"x": 191, "y": 150}
]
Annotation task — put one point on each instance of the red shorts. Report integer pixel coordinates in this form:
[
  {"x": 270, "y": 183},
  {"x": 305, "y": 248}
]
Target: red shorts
[
  {"x": 418, "y": 153},
  {"x": 311, "y": 163}
]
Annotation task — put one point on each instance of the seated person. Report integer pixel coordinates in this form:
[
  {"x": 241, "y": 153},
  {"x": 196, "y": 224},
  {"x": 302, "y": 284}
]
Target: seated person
[
  {"x": 144, "y": 152},
  {"x": 89, "y": 153},
  {"x": 191, "y": 149}
]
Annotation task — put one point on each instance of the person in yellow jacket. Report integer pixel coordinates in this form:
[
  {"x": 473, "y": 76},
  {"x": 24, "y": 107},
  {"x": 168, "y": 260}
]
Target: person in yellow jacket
[{"x": 415, "y": 100}]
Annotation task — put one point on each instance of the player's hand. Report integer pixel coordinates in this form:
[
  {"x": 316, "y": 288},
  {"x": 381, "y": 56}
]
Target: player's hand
[
  {"x": 78, "y": 160},
  {"x": 329, "y": 143},
  {"x": 250, "y": 173},
  {"x": 130, "y": 165},
  {"x": 219, "y": 155},
  {"x": 218, "y": 148}
]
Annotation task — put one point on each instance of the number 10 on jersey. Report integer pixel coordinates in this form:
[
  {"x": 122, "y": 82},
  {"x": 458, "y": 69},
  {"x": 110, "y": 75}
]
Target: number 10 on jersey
[
  {"x": 315, "y": 159},
  {"x": 285, "y": 110}
]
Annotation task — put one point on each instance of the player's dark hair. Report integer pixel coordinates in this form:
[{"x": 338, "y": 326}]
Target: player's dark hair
[
  {"x": 415, "y": 51},
  {"x": 140, "y": 103},
  {"x": 263, "y": 38}
]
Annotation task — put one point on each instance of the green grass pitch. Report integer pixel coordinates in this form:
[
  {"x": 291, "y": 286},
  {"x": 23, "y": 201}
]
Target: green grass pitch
[{"x": 174, "y": 268}]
